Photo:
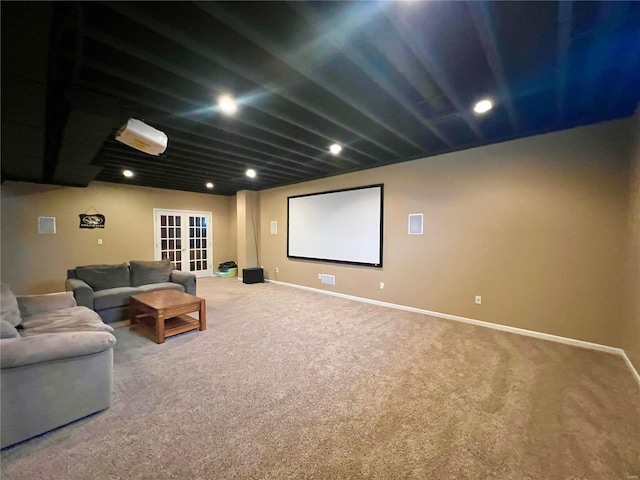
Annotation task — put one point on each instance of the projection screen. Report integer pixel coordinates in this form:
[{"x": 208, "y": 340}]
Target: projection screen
[{"x": 343, "y": 226}]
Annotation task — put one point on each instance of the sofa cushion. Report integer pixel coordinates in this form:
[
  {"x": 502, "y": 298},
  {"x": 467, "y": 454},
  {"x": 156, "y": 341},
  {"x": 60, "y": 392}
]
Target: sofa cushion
[
  {"x": 9, "y": 309},
  {"x": 7, "y": 330},
  {"x": 114, "y": 297},
  {"x": 102, "y": 277},
  {"x": 145, "y": 272},
  {"x": 33, "y": 304},
  {"x": 48, "y": 347},
  {"x": 161, "y": 286},
  {"x": 73, "y": 319}
]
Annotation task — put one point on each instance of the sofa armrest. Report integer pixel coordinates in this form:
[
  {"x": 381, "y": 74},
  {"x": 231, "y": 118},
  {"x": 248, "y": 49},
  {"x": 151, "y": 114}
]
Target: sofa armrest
[
  {"x": 82, "y": 292},
  {"x": 18, "y": 352},
  {"x": 186, "y": 279},
  {"x": 33, "y": 304}
]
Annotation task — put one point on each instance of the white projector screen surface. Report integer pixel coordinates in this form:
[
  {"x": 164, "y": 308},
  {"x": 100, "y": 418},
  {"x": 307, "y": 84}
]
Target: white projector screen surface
[{"x": 343, "y": 226}]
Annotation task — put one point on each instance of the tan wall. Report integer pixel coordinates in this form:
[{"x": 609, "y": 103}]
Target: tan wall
[
  {"x": 536, "y": 226},
  {"x": 248, "y": 224},
  {"x": 253, "y": 229},
  {"x": 233, "y": 230},
  {"x": 241, "y": 229},
  {"x": 33, "y": 263},
  {"x": 631, "y": 328}
]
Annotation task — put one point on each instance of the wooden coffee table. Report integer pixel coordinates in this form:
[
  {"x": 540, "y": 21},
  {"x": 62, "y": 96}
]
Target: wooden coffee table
[{"x": 168, "y": 309}]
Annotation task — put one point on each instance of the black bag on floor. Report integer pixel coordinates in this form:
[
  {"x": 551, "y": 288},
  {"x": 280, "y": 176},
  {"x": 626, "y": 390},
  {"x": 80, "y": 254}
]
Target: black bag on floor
[{"x": 227, "y": 265}]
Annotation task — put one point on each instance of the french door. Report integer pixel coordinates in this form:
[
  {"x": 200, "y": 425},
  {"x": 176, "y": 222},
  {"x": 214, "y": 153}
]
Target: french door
[{"x": 185, "y": 238}]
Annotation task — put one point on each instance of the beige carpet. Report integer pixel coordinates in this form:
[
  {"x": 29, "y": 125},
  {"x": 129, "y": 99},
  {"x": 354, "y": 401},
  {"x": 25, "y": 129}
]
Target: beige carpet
[{"x": 287, "y": 383}]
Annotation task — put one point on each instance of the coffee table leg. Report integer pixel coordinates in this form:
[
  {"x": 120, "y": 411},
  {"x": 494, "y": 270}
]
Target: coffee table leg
[
  {"x": 203, "y": 315},
  {"x": 132, "y": 312},
  {"x": 160, "y": 327}
]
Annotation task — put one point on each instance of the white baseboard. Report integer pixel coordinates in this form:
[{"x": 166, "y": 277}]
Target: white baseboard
[
  {"x": 626, "y": 359},
  {"x": 480, "y": 323}
]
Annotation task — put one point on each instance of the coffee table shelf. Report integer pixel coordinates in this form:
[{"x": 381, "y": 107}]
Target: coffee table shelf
[{"x": 173, "y": 325}]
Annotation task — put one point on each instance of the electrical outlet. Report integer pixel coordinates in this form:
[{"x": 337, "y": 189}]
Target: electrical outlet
[
  {"x": 478, "y": 300},
  {"x": 319, "y": 276},
  {"x": 276, "y": 269},
  {"x": 381, "y": 285},
  {"x": 99, "y": 241}
]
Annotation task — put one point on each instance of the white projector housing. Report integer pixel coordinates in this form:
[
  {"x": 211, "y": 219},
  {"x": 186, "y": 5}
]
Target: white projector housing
[{"x": 142, "y": 137}]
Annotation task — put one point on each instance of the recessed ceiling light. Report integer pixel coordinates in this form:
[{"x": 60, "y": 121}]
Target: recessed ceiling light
[
  {"x": 335, "y": 149},
  {"x": 209, "y": 185},
  {"x": 127, "y": 173},
  {"x": 251, "y": 173},
  {"x": 227, "y": 104},
  {"x": 483, "y": 106}
]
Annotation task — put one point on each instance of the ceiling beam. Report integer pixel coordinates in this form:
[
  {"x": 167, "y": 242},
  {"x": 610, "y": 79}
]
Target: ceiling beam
[
  {"x": 176, "y": 175},
  {"x": 169, "y": 171},
  {"x": 125, "y": 160},
  {"x": 163, "y": 121},
  {"x": 179, "y": 142},
  {"x": 371, "y": 71},
  {"x": 242, "y": 165},
  {"x": 58, "y": 88},
  {"x": 196, "y": 105},
  {"x": 117, "y": 73},
  {"x": 262, "y": 157},
  {"x": 160, "y": 62},
  {"x": 153, "y": 181},
  {"x": 482, "y": 21},
  {"x": 180, "y": 38},
  {"x": 202, "y": 164},
  {"x": 299, "y": 65},
  {"x": 627, "y": 65},
  {"x": 565, "y": 14},
  {"x": 610, "y": 16},
  {"x": 431, "y": 66}
]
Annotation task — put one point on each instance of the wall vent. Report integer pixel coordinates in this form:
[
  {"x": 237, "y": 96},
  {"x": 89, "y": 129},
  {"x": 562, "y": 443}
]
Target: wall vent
[
  {"x": 328, "y": 279},
  {"x": 47, "y": 225}
]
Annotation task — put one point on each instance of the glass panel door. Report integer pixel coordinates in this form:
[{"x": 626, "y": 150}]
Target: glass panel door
[
  {"x": 171, "y": 239},
  {"x": 198, "y": 242},
  {"x": 185, "y": 238}
]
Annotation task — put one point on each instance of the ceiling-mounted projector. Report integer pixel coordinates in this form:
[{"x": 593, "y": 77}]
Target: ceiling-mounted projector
[{"x": 142, "y": 137}]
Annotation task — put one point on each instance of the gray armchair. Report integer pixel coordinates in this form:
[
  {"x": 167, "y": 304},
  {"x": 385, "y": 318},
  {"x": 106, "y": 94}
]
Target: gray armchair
[{"x": 56, "y": 362}]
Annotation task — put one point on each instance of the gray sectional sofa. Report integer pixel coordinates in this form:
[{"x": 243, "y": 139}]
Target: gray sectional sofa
[
  {"x": 56, "y": 362},
  {"x": 106, "y": 289}
]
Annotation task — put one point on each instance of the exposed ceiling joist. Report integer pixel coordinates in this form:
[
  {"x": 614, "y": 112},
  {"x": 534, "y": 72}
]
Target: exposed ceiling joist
[
  {"x": 388, "y": 81},
  {"x": 482, "y": 20}
]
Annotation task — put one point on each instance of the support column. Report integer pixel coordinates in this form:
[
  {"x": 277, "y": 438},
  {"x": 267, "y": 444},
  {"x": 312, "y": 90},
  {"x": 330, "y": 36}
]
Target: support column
[{"x": 248, "y": 228}]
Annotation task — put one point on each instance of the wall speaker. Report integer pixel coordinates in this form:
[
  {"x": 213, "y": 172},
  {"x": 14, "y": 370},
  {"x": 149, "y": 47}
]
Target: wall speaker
[
  {"x": 47, "y": 225},
  {"x": 415, "y": 224}
]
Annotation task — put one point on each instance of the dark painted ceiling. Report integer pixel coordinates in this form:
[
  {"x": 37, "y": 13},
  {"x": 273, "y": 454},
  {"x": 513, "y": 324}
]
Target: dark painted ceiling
[{"x": 390, "y": 81}]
